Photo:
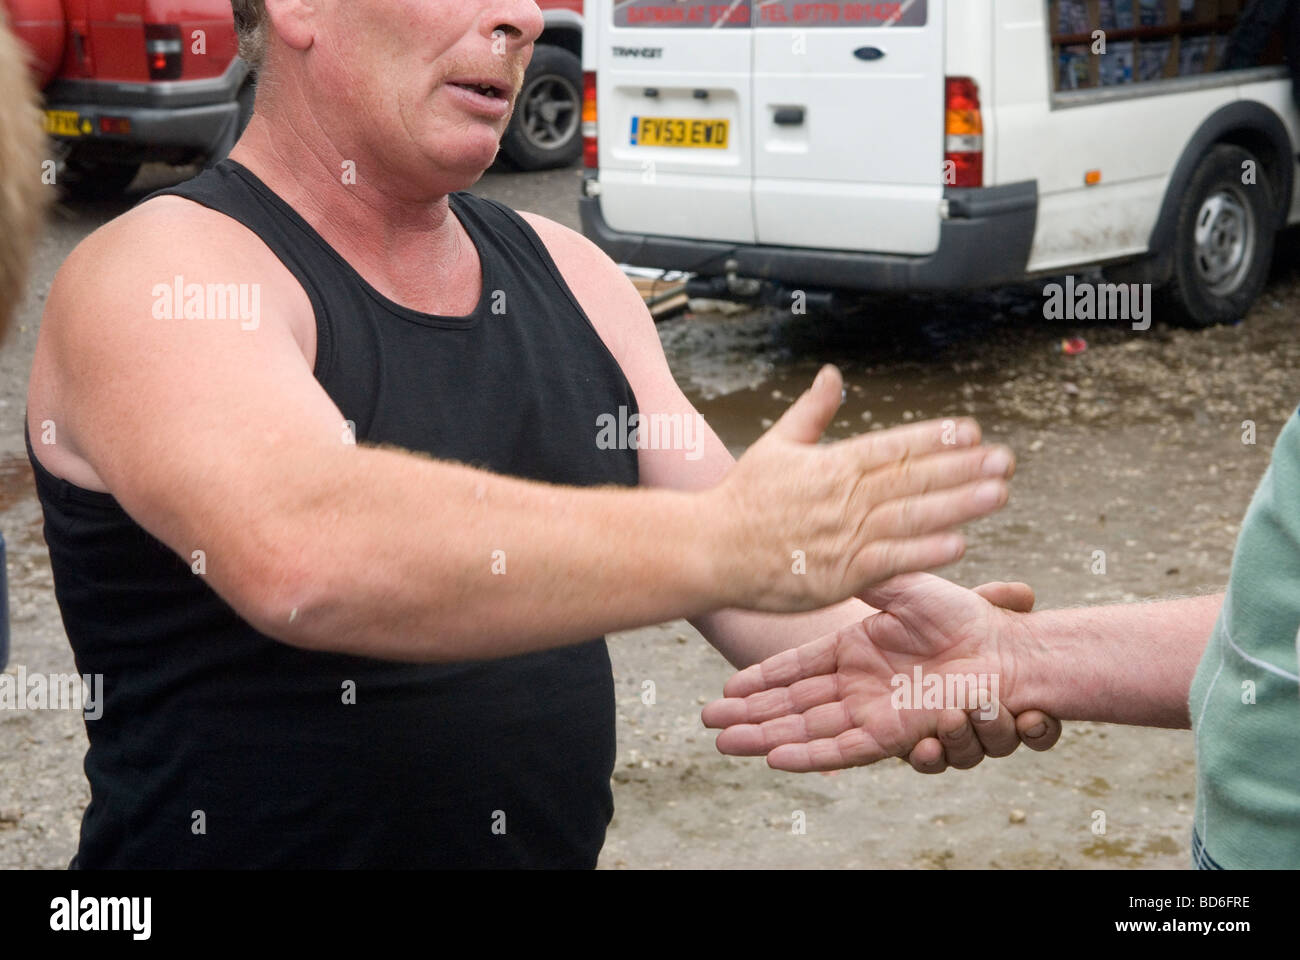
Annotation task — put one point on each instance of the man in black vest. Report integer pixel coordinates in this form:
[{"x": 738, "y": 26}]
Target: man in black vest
[{"x": 340, "y": 501}]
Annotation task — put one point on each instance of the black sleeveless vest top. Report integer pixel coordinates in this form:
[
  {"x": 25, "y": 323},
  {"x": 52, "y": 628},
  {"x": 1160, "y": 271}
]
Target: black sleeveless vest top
[{"x": 221, "y": 747}]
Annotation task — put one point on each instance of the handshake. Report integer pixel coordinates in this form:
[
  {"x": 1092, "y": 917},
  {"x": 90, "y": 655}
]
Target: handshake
[
  {"x": 931, "y": 677},
  {"x": 932, "y": 672}
]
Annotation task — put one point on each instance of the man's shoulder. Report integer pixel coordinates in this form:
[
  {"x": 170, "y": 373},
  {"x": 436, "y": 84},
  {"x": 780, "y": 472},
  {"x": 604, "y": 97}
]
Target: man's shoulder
[
  {"x": 166, "y": 227},
  {"x": 557, "y": 237},
  {"x": 582, "y": 264},
  {"x": 160, "y": 239},
  {"x": 604, "y": 292}
]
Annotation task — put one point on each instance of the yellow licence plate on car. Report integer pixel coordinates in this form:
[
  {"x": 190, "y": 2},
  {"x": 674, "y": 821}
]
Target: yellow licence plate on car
[
  {"x": 678, "y": 132},
  {"x": 64, "y": 123}
]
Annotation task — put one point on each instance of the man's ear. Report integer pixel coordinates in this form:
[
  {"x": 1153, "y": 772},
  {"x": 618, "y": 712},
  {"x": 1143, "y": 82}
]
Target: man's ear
[{"x": 293, "y": 21}]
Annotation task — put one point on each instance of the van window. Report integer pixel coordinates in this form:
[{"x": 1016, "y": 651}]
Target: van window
[
  {"x": 1106, "y": 43},
  {"x": 681, "y": 13},
  {"x": 800, "y": 13}
]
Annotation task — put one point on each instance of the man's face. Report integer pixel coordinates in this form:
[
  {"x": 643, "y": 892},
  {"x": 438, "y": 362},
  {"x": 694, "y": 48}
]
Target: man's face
[{"x": 424, "y": 84}]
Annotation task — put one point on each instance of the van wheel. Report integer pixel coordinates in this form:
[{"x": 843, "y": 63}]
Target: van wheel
[
  {"x": 546, "y": 130},
  {"x": 1223, "y": 242},
  {"x": 85, "y": 177}
]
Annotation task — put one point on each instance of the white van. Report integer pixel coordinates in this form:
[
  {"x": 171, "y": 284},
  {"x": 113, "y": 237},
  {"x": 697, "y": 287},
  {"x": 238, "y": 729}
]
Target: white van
[{"x": 943, "y": 144}]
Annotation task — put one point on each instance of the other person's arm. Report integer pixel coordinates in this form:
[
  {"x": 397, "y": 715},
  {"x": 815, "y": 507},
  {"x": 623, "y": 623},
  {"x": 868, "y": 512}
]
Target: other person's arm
[{"x": 837, "y": 702}]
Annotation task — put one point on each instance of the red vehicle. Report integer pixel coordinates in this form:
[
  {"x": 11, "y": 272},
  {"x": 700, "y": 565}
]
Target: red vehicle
[{"x": 130, "y": 81}]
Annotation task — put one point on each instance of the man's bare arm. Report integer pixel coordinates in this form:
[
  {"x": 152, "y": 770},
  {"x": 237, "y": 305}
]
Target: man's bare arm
[
  {"x": 625, "y": 324},
  {"x": 219, "y": 439}
]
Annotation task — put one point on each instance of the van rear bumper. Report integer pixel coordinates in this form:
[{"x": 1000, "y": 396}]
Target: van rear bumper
[
  {"x": 192, "y": 128},
  {"x": 166, "y": 116},
  {"x": 984, "y": 242}
]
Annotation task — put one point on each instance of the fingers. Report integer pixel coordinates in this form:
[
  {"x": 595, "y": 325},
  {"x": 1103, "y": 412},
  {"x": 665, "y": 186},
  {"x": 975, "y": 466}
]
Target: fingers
[
  {"x": 928, "y": 757},
  {"x": 994, "y": 728},
  {"x": 961, "y": 748},
  {"x": 1037, "y": 730},
  {"x": 852, "y": 748},
  {"x": 873, "y": 450},
  {"x": 943, "y": 471},
  {"x": 885, "y": 559},
  {"x": 910, "y": 506},
  {"x": 1016, "y": 597},
  {"x": 819, "y": 723},
  {"x": 929, "y": 513},
  {"x": 780, "y": 670},
  {"x": 809, "y": 416},
  {"x": 822, "y": 735},
  {"x": 965, "y": 738},
  {"x": 771, "y": 704}
]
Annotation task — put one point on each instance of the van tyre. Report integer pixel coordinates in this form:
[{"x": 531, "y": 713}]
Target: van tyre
[
  {"x": 86, "y": 177},
  {"x": 1223, "y": 240},
  {"x": 546, "y": 129}
]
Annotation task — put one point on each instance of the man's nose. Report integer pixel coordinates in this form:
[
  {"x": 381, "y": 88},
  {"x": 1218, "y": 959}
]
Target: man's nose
[{"x": 519, "y": 20}]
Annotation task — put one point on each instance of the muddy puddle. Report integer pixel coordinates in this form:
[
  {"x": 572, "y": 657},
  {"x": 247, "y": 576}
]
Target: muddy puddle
[{"x": 992, "y": 356}]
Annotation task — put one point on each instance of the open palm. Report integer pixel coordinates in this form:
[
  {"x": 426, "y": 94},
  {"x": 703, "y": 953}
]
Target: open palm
[{"x": 831, "y": 703}]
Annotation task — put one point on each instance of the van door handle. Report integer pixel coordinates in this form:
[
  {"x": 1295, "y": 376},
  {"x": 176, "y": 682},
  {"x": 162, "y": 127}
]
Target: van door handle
[{"x": 788, "y": 116}]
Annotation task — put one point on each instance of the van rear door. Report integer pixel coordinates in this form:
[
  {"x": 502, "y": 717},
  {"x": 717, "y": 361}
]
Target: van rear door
[
  {"x": 674, "y": 105},
  {"x": 107, "y": 40},
  {"x": 848, "y": 124}
]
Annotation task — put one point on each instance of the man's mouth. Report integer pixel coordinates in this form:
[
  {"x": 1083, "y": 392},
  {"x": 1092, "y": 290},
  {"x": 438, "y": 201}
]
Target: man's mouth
[{"x": 485, "y": 89}]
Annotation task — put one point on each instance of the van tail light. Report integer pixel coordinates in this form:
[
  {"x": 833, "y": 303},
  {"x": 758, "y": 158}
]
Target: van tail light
[
  {"x": 162, "y": 47},
  {"x": 963, "y": 134},
  {"x": 117, "y": 125},
  {"x": 590, "y": 153}
]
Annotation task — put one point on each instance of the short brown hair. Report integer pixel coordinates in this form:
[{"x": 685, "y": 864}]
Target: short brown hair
[
  {"x": 250, "y": 26},
  {"x": 23, "y": 193}
]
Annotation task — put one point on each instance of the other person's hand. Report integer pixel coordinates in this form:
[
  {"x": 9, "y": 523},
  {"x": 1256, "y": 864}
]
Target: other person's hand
[{"x": 853, "y": 698}]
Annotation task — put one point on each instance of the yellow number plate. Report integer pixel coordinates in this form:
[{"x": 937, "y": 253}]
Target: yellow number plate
[
  {"x": 65, "y": 123},
  {"x": 679, "y": 132}
]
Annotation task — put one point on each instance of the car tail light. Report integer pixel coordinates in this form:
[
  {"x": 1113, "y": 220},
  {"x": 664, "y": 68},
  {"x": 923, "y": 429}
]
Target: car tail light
[
  {"x": 590, "y": 153},
  {"x": 118, "y": 125},
  {"x": 162, "y": 47},
  {"x": 963, "y": 134}
]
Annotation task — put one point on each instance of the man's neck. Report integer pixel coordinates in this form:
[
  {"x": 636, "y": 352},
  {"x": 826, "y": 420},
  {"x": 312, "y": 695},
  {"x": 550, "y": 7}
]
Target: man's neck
[{"x": 405, "y": 242}]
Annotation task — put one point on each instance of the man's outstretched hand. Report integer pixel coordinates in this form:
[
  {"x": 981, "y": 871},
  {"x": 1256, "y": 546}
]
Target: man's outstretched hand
[{"x": 830, "y": 703}]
